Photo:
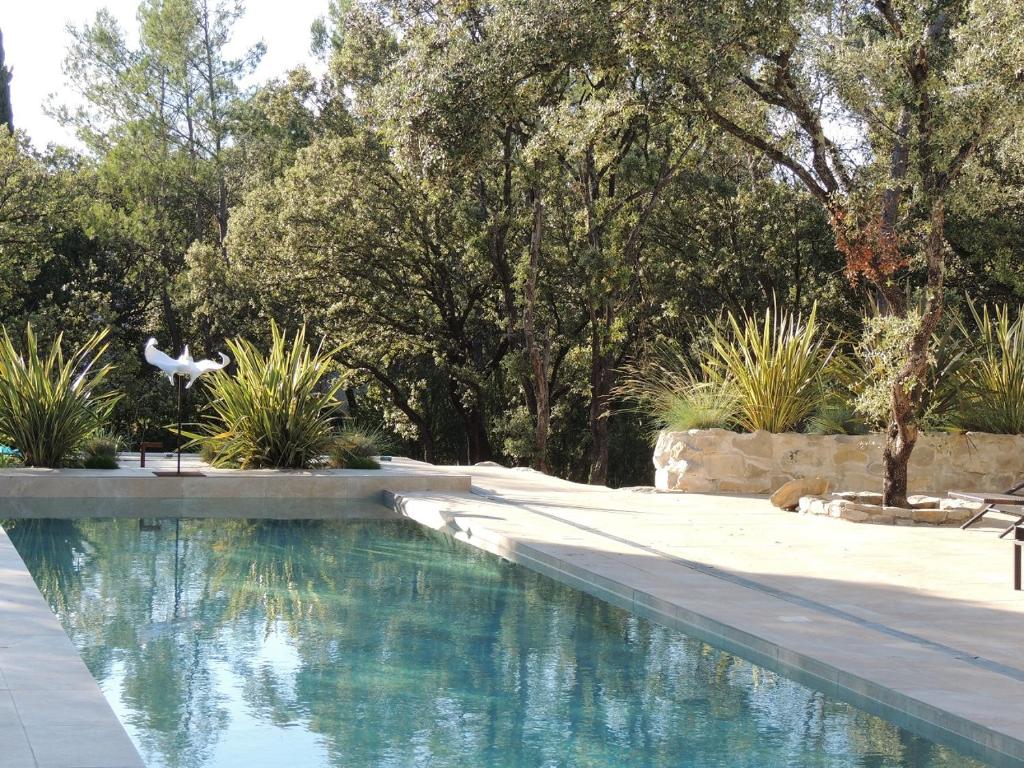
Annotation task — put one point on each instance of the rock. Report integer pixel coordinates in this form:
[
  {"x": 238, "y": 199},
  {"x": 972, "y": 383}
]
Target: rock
[
  {"x": 788, "y": 496},
  {"x": 853, "y": 512},
  {"x": 488, "y": 464},
  {"x": 850, "y": 455},
  {"x": 921, "y": 501},
  {"x": 723, "y": 466},
  {"x": 860, "y": 497},
  {"x": 958, "y": 515},
  {"x": 699, "y": 461},
  {"x": 972, "y": 507},
  {"x": 813, "y": 505},
  {"x": 758, "y": 444},
  {"x": 930, "y": 516}
]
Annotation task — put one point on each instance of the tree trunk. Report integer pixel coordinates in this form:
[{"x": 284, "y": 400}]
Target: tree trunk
[
  {"x": 901, "y": 436},
  {"x": 426, "y": 439},
  {"x": 350, "y": 399},
  {"x": 600, "y": 442},
  {"x": 479, "y": 443},
  {"x": 601, "y": 379},
  {"x": 539, "y": 353},
  {"x": 474, "y": 425},
  {"x": 6, "y": 111}
]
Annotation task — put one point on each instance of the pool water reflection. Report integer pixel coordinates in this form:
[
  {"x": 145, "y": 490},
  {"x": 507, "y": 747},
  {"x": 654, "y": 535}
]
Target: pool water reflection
[{"x": 376, "y": 643}]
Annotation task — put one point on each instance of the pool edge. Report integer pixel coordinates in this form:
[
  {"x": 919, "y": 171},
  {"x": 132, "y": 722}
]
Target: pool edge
[{"x": 38, "y": 659}]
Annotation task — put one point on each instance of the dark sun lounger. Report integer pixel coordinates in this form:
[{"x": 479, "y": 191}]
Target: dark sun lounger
[
  {"x": 1011, "y": 498},
  {"x": 1018, "y": 547}
]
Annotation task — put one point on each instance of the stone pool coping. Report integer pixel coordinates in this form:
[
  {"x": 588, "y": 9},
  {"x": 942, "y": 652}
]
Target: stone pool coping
[{"x": 138, "y": 492}]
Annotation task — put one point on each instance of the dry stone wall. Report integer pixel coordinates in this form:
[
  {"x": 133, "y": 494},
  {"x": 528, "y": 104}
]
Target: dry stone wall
[{"x": 719, "y": 461}]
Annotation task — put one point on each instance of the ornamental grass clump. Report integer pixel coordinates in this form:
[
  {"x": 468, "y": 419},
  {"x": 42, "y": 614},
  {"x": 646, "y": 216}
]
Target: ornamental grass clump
[
  {"x": 100, "y": 451},
  {"x": 357, "y": 448},
  {"x": 667, "y": 389},
  {"x": 775, "y": 366},
  {"x": 50, "y": 405},
  {"x": 991, "y": 380},
  {"x": 277, "y": 410}
]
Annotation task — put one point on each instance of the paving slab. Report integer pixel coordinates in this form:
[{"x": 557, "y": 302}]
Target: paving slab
[{"x": 917, "y": 624}]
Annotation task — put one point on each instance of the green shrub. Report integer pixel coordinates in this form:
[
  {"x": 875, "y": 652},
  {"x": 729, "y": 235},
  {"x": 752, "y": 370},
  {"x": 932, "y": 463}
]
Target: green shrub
[
  {"x": 975, "y": 376},
  {"x": 355, "y": 448},
  {"x": 50, "y": 404},
  {"x": 881, "y": 355},
  {"x": 106, "y": 445},
  {"x": 360, "y": 462},
  {"x": 991, "y": 380},
  {"x": 277, "y": 410},
  {"x": 9, "y": 461},
  {"x": 835, "y": 415},
  {"x": 100, "y": 462},
  {"x": 775, "y": 366},
  {"x": 754, "y": 374},
  {"x": 100, "y": 451},
  {"x": 208, "y": 452},
  {"x": 942, "y": 402}
]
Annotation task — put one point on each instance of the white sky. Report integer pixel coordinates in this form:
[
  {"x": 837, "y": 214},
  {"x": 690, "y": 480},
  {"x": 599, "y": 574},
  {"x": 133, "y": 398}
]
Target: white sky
[{"x": 36, "y": 40}]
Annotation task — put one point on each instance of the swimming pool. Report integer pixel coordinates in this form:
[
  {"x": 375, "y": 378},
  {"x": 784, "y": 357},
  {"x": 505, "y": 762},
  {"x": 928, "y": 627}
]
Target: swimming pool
[{"x": 378, "y": 643}]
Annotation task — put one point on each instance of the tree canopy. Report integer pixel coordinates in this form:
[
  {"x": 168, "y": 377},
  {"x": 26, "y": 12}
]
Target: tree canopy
[{"x": 496, "y": 209}]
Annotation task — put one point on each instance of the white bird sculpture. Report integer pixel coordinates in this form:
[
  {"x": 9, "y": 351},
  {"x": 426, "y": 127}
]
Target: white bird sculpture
[{"x": 184, "y": 365}]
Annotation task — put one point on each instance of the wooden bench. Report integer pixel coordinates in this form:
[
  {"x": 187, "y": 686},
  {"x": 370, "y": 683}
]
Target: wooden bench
[{"x": 151, "y": 446}]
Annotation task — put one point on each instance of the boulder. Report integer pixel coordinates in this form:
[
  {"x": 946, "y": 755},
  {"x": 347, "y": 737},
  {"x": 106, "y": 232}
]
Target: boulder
[
  {"x": 813, "y": 505},
  {"x": 930, "y": 516},
  {"x": 855, "y": 513},
  {"x": 788, "y": 496},
  {"x": 859, "y": 497}
]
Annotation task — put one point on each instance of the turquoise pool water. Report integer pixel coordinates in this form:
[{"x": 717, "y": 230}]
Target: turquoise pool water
[{"x": 358, "y": 644}]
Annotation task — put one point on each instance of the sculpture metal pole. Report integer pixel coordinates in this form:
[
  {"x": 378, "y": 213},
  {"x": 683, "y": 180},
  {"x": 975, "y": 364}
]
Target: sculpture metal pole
[
  {"x": 175, "y": 370},
  {"x": 177, "y": 435}
]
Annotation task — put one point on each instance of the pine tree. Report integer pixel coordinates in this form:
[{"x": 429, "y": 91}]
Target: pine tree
[{"x": 6, "y": 112}]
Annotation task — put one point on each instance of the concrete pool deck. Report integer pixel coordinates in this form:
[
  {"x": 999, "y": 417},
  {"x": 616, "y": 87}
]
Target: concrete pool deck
[{"x": 917, "y": 624}]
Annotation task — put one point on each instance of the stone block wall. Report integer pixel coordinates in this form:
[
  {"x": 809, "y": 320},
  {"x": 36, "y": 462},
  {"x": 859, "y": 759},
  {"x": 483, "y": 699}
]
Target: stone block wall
[{"x": 719, "y": 461}]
